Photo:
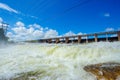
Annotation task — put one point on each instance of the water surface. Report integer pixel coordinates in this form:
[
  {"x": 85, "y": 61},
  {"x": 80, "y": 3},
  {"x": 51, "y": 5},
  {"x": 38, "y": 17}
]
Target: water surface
[{"x": 55, "y": 61}]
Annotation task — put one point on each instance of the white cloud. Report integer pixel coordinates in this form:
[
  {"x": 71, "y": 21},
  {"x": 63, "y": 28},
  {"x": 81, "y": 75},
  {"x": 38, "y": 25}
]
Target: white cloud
[
  {"x": 20, "y": 24},
  {"x": 51, "y": 33},
  {"x": 29, "y": 16},
  {"x": 109, "y": 29},
  {"x": 107, "y": 14},
  {"x": 36, "y": 26},
  {"x": 21, "y": 33},
  {"x": 80, "y": 33},
  {"x": 38, "y": 34},
  {"x": 19, "y": 30},
  {"x": 6, "y": 7},
  {"x": 30, "y": 30},
  {"x": 9, "y": 34},
  {"x": 70, "y": 33},
  {"x": 34, "y": 17}
]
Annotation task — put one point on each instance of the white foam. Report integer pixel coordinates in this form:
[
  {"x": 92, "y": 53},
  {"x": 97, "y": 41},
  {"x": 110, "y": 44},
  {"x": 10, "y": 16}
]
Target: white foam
[{"x": 57, "y": 61}]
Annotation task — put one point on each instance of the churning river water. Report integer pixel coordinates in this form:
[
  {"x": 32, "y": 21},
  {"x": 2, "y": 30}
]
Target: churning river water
[{"x": 54, "y": 61}]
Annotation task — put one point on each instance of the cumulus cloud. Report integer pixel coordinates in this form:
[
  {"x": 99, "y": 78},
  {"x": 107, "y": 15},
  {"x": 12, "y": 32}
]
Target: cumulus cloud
[
  {"x": 8, "y": 8},
  {"x": 20, "y": 24},
  {"x": 51, "y": 33},
  {"x": 36, "y": 26},
  {"x": 21, "y": 32},
  {"x": 31, "y": 32},
  {"x": 109, "y": 29},
  {"x": 70, "y": 33},
  {"x": 80, "y": 33}
]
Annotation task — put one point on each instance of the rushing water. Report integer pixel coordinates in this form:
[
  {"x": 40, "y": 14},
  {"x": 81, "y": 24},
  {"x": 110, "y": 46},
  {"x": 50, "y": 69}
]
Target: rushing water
[{"x": 54, "y": 62}]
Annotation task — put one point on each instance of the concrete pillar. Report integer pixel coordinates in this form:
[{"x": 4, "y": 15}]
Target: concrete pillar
[
  {"x": 66, "y": 39},
  {"x": 118, "y": 34},
  {"x": 79, "y": 39},
  {"x": 96, "y": 39},
  {"x": 57, "y": 40},
  {"x": 107, "y": 37},
  {"x": 86, "y": 39},
  {"x": 50, "y": 40}
]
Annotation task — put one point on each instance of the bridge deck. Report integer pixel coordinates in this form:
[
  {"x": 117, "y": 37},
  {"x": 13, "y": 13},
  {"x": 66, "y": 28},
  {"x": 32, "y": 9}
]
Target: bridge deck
[{"x": 85, "y": 38}]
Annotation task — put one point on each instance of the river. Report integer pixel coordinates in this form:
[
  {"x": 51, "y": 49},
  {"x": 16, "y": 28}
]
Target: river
[{"x": 54, "y": 61}]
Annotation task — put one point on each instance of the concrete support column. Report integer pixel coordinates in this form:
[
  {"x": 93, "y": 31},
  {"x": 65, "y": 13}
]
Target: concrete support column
[
  {"x": 107, "y": 37},
  {"x": 96, "y": 39},
  {"x": 50, "y": 40},
  {"x": 86, "y": 39},
  {"x": 118, "y": 34},
  {"x": 79, "y": 39},
  {"x": 57, "y": 40},
  {"x": 66, "y": 39}
]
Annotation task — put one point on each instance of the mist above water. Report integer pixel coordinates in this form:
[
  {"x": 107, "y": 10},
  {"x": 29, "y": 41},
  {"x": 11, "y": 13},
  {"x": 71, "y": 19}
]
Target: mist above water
[{"x": 55, "y": 61}]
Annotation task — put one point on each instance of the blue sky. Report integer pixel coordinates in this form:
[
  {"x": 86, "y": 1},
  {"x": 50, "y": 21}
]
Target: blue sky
[{"x": 60, "y": 17}]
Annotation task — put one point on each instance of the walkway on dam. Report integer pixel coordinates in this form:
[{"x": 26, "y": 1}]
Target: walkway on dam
[{"x": 86, "y": 38}]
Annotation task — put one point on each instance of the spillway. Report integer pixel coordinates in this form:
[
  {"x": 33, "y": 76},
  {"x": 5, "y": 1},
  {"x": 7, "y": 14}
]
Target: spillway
[{"x": 34, "y": 61}]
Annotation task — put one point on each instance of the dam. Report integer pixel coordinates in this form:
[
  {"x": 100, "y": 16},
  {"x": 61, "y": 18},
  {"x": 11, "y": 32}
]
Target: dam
[{"x": 86, "y": 38}]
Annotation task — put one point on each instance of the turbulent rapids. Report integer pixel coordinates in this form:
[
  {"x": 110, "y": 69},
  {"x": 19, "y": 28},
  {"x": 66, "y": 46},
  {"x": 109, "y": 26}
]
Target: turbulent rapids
[{"x": 30, "y": 61}]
